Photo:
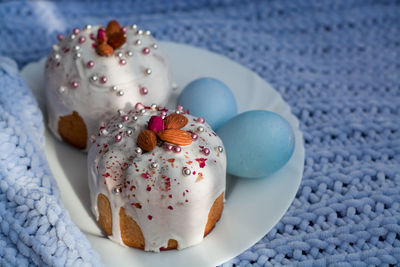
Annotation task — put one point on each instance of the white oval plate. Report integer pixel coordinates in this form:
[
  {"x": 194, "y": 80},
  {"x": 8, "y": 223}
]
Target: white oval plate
[{"x": 252, "y": 207}]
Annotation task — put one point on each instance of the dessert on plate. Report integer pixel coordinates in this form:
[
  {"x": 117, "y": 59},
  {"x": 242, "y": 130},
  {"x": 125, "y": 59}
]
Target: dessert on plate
[
  {"x": 96, "y": 70},
  {"x": 157, "y": 178}
]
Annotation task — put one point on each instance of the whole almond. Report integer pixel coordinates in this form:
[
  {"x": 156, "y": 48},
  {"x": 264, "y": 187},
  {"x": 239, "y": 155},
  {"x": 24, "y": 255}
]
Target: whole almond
[
  {"x": 117, "y": 39},
  {"x": 112, "y": 27},
  {"x": 147, "y": 140},
  {"x": 175, "y": 121},
  {"x": 104, "y": 49},
  {"x": 176, "y": 137}
]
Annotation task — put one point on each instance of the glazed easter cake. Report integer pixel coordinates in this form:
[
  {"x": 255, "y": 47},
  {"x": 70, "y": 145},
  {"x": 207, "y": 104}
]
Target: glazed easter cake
[
  {"x": 157, "y": 178},
  {"x": 96, "y": 70}
]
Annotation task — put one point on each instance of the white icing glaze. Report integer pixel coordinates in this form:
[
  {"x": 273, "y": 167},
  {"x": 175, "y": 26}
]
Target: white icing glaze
[
  {"x": 179, "y": 204},
  {"x": 93, "y": 100}
]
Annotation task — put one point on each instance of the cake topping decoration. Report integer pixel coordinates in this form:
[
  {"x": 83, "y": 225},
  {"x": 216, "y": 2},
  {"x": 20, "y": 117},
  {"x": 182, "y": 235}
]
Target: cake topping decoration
[
  {"x": 113, "y": 37},
  {"x": 168, "y": 130}
]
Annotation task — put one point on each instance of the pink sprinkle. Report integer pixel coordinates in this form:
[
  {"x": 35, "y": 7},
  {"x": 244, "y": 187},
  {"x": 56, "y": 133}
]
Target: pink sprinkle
[
  {"x": 202, "y": 162},
  {"x": 177, "y": 149},
  {"x": 75, "y": 84},
  {"x": 144, "y": 91},
  {"x": 103, "y": 79},
  {"x": 124, "y": 29},
  {"x": 150, "y": 217},
  {"x": 94, "y": 45},
  {"x": 139, "y": 106},
  {"x": 206, "y": 151},
  {"x": 146, "y": 50},
  {"x": 122, "y": 62},
  {"x": 169, "y": 147},
  {"x": 148, "y": 188},
  {"x": 91, "y": 36},
  {"x": 179, "y": 107},
  {"x": 170, "y": 208},
  {"x": 90, "y": 64},
  {"x": 118, "y": 138},
  {"x": 145, "y": 176},
  {"x": 125, "y": 118},
  {"x": 82, "y": 39},
  {"x": 200, "y": 120},
  {"x": 60, "y": 37},
  {"x": 156, "y": 124},
  {"x": 194, "y": 137},
  {"x": 76, "y": 31}
]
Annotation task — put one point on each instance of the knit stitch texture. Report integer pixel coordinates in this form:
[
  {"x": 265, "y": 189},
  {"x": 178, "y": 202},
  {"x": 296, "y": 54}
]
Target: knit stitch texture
[{"x": 337, "y": 63}]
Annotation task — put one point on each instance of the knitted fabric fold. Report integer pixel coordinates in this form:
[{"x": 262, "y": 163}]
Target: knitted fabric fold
[{"x": 35, "y": 228}]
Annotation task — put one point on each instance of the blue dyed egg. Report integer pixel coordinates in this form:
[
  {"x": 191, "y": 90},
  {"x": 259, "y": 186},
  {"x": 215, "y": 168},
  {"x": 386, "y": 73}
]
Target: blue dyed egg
[
  {"x": 211, "y": 99},
  {"x": 257, "y": 143}
]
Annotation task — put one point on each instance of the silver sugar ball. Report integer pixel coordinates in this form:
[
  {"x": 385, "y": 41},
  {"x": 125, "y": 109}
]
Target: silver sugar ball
[
  {"x": 72, "y": 36},
  {"x": 200, "y": 129},
  {"x": 138, "y": 42},
  {"x": 94, "y": 78},
  {"x": 119, "y": 54},
  {"x": 120, "y": 112},
  {"x": 147, "y": 32},
  {"x": 103, "y": 132},
  {"x": 220, "y": 149},
  {"x": 129, "y": 132},
  {"x": 139, "y": 32},
  {"x": 57, "y": 57},
  {"x": 88, "y": 27},
  {"x": 186, "y": 171},
  {"x": 77, "y": 47},
  {"x": 77, "y": 55},
  {"x": 134, "y": 118},
  {"x": 155, "y": 46},
  {"x": 138, "y": 151},
  {"x": 129, "y": 53},
  {"x": 114, "y": 88},
  {"x": 148, "y": 71},
  {"x": 120, "y": 126},
  {"x": 142, "y": 111},
  {"x": 61, "y": 89},
  {"x": 116, "y": 190},
  {"x": 120, "y": 93},
  {"x": 134, "y": 26},
  {"x": 153, "y": 165}
]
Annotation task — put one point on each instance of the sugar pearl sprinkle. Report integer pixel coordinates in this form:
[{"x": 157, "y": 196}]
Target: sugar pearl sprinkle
[
  {"x": 103, "y": 79},
  {"x": 205, "y": 151},
  {"x": 75, "y": 84},
  {"x": 90, "y": 64},
  {"x": 148, "y": 71},
  {"x": 122, "y": 62},
  {"x": 118, "y": 138},
  {"x": 116, "y": 190},
  {"x": 129, "y": 132},
  {"x": 186, "y": 171},
  {"x": 114, "y": 88},
  {"x": 146, "y": 51},
  {"x": 220, "y": 149},
  {"x": 138, "y": 151},
  {"x": 200, "y": 129},
  {"x": 138, "y": 42},
  {"x": 153, "y": 165},
  {"x": 120, "y": 93},
  {"x": 144, "y": 91}
]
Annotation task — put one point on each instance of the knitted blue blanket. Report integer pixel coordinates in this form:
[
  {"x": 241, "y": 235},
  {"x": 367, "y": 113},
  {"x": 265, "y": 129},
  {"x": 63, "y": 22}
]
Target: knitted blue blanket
[{"x": 337, "y": 63}]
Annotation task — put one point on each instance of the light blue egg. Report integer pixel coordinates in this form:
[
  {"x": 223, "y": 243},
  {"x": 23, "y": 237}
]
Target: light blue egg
[
  {"x": 211, "y": 99},
  {"x": 257, "y": 143}
]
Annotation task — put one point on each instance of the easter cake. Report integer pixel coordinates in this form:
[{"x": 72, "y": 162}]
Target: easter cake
[
  {"x": 96, "y": 70},
  {"x": 157, "y": 178}
]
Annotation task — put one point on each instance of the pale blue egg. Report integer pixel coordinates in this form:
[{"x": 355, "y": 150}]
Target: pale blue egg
[
  {"x": 211, "y": 99},
  {"x": 257, "y": 143}
]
